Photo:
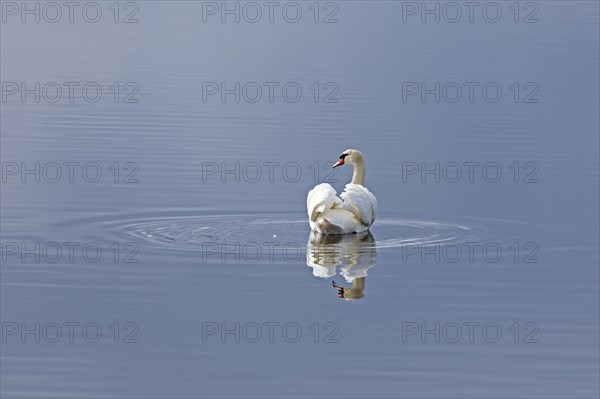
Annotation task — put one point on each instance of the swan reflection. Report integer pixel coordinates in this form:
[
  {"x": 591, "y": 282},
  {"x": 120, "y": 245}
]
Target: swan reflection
[{"x": 354, "y": 253}]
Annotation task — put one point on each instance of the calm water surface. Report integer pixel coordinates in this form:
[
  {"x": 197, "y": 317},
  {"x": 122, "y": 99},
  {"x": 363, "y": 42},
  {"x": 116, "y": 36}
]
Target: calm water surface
[{"x": 200, "y": 208}]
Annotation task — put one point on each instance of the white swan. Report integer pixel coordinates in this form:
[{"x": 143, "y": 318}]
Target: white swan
[{"x": 354, "y": 212}]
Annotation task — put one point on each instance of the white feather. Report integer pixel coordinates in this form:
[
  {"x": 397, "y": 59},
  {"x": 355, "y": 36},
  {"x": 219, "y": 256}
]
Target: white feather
[
  {"x": 321, "y": 198},
  {"x": 328, "y": 214},
  {"x": 361, "y": 202}
]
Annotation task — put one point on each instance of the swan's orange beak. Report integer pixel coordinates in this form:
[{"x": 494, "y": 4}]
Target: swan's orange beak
[{"x": 338, "y": 163}]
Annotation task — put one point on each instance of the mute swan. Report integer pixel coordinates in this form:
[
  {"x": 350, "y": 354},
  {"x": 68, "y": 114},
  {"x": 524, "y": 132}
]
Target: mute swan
[{"x": 354, "y": 212}]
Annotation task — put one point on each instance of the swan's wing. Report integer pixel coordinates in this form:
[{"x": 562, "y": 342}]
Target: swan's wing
[
  {"x": 321, "y": 198},
  {"x": 361, "y": 202}
]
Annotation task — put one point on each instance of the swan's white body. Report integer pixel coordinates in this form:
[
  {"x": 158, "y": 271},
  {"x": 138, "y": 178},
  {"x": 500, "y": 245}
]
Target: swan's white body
[{"x": 354, "y": 212}]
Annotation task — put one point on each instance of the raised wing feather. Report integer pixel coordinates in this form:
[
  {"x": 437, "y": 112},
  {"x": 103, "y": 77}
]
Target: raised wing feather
[
  {"x": 321, "y": 198},
  {"x": 361, "y": 202}
]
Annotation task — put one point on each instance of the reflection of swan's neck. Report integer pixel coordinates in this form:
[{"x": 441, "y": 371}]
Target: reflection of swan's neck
[
  {"x": 358, "y": 177},
  {"x": 356, "y": 292},
  {"x": 359, "y": 284}
]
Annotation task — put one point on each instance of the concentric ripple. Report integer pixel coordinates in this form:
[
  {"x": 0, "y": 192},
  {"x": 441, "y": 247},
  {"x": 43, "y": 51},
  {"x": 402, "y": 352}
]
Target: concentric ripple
[{"x": 191, "y": 232}]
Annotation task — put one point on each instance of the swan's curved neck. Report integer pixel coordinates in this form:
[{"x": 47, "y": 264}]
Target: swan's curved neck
[{"x": 358, "y": 176}]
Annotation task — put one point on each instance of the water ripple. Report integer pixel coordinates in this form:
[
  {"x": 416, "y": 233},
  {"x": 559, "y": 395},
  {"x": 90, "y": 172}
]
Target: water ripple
[{"x": 191, "y": 232}]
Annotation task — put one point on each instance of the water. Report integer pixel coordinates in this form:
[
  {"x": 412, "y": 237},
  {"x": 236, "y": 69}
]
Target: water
[{"x": 187, "y": 251}]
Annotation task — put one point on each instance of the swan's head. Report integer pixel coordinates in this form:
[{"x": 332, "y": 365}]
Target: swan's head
[{"x": 349, "y": 156}]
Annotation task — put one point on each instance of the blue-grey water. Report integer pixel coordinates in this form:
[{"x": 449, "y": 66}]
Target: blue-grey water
[{"x": 155, "y": 241}]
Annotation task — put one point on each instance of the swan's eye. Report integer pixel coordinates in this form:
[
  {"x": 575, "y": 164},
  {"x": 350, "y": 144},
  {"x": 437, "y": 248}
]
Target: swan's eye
[{"x": 343, "y": 156}]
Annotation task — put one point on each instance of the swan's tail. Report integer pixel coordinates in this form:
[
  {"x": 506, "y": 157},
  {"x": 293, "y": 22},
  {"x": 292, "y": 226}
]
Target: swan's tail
[{"x": 320, "y": 199}]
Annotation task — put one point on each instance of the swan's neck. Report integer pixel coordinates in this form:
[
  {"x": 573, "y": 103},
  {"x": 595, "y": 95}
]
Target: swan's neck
[{"x": 358, "y": 177}]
